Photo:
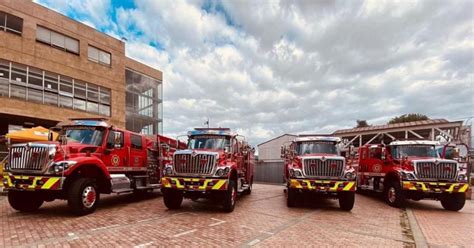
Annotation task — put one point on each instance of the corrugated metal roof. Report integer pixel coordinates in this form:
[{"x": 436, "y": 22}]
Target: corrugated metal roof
[{"x": 392, "y": 126}]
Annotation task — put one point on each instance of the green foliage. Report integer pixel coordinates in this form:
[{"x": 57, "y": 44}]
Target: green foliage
[
  {"x": 362, "y": 123},
  {"x": 408, "y": 118}
]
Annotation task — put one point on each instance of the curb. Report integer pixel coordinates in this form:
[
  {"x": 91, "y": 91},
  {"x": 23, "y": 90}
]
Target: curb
[{"x": 418, "y": 236}]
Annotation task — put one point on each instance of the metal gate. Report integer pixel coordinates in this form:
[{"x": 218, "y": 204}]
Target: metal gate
[{"x": 269, "y": 172}]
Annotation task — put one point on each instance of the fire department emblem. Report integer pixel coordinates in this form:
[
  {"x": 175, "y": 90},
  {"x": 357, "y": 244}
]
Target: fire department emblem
[
  {"x": 377, "y": 168},
  {"x": 323, "y": 159},
  {"x": 193, "y": 154},
  {"x": 115, "y": 160}
]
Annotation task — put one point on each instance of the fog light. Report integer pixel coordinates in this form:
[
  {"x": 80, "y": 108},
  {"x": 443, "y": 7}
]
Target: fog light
[{"x": 462, "y": 178}]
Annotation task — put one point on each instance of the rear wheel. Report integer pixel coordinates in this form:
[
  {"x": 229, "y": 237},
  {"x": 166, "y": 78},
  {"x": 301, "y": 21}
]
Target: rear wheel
[
  {"x": 230, "y": 197},
  {"x": 24, "y": 201},
  {"x": 394, "y": 195},
  {"x": 172, "y": 198},
  {"x": 291, "y": 198},
  {"x": 83, "y": 196},
  {"x": 454, "y": 202},
  {"x": 346, "y": 200}
]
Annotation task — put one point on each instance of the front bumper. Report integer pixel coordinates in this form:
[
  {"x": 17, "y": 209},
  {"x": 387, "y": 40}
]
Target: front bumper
[
  {"x": 194, "y": 184},
  {"x": 435, "y": 187},
  {"x": 21, "y": 182},
  {"x": 322, "y": 185}
]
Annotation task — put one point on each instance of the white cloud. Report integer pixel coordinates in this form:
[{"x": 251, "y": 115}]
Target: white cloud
[{"x": 274, "y": 67}]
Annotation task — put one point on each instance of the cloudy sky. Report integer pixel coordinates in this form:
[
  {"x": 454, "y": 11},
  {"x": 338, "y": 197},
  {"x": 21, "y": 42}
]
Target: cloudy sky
[{"x": 265, "y": 68}]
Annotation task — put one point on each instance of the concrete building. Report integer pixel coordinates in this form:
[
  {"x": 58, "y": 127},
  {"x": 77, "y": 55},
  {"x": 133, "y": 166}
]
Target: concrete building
[
  {"x": 269, "y": 167},
  {"x": 53, "y": 68}
]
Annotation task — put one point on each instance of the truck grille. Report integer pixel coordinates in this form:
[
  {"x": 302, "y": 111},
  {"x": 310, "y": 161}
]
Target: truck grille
[
  {"x": 28, "y": 158},
  {"x": 432, "y": 170},
  {"x": 319, "y": 168},
  {"x": 202, "y": 164}
]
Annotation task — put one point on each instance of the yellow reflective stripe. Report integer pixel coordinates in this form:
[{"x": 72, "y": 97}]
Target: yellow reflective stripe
[
  {"x": 219, "y": 184},
  {"x": 451, "y": 188},
  {"x": 49, "y": 183},
  {"x": 348, "y": 186},
  {"x": 336, "y": 185},
  {"x": 33, "y": 183},
  {"x": 165, "y": 182},
  {"x": 204, "y": 185},
  {"x": 464, "y": 188},
  {"x": 423, "y": 186},
  {"x": 295, "y": 184}
]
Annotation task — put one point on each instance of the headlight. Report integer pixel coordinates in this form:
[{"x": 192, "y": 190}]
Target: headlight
[
  {"x": 350, "y": 176},
  {"x": 52, "y": 153},
  {"x": 462, "y": 178},
  {"x": 221, "y": 172},
  {"x": 168, "y": 171},
  {"x": 407, "y": 175},
  {"x": 62, "y": 166},
  {"x": 296, "y": 173}
]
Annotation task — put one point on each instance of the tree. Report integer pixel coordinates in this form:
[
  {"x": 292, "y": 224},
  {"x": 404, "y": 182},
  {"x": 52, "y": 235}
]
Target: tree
[
  {"x": 362, "y": 123},
  {"x": 408, "y": 118}
]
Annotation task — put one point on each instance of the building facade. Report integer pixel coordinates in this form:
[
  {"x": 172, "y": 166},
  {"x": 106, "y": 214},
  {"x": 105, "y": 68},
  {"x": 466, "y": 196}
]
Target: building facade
[{"x": 53, "y": 68}]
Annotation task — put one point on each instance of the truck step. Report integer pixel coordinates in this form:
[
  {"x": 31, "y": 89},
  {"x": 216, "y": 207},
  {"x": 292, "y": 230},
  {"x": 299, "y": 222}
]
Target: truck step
[
  {"x": 120, "y": 191},
  {"x": 150, "y": 186},
  {"x": 244, "y": 187}
]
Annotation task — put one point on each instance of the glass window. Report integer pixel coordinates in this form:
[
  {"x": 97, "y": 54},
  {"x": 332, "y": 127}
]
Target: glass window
[
  {"x": 4, "y": 69},
  {"x": 79, "y": 89},
  {"x": 104, "y": 95},
  {"x": 104, "y": 110},
  {"x": 35, "y": 95},
  {"x": 18, "y": 74},
  {"x": 18, "y": 91},
  {"x": 35, "y": 78},
  {"x": 72, "y": 45},
  {"x": 111, "y": 143},
  {"x": 65, "y": 86},
  {"x": 3, "y": 16},
  {"x": 136, "y": 141},
  {"x": 57, "y": 40},
  {"x": 79, "y": 104},
  {"x": 51, "y": 98},
  {"x": 65, "y": 101},
  {"x": 51, "y": 81},
  {"x": 92, "y": 92},
  {"x": 14, "y": 24},
  {"x": 92, "y": 107},
  {"x": 93, "y": 54},
  {"x": 104, "y": 58},
  {"x": 43, "y": 34}
]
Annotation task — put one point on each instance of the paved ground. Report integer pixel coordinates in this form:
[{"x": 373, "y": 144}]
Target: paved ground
[{"x": 261, "y": 220}]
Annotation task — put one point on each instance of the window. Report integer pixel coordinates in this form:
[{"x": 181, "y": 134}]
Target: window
[
  {"x": 57, "y": 40},
  {"x": 136, "y": 141},
  {"x": 36, "y": 85},
  {"x": 99, "y": 56},
  {"x": 11, "y": 23},
  {"x": 111, "y": 142}
]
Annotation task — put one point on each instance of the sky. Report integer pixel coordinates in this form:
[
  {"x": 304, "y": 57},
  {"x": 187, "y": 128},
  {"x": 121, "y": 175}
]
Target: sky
[{"x": 265, "y": 68}]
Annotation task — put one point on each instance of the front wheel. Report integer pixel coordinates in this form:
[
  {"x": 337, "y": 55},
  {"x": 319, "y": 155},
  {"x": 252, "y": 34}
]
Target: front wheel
[
  {"x": 346, "y": 200},
  {"x": 454, "y": 202},
  {"x": 83, "y": 196},
  {"x": 24, "y": 201},
  {"x": 394, "y": 195},
  {"x": 172, "y": 198},
  {"x": 291, "y": 198},
  {"x": 230, "y": 197}
]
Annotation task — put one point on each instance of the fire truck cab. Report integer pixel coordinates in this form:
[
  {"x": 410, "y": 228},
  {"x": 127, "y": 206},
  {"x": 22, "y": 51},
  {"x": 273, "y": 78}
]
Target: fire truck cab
[{"x": 413, "y": 170}]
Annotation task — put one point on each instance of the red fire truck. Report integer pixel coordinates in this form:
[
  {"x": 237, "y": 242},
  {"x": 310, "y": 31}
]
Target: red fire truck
[
  {"x": 218, "y": 164},
  {"x": 314, "y": 167},
  {"x": 90, "y": 158},
  {"x": 412, "y": 170}
]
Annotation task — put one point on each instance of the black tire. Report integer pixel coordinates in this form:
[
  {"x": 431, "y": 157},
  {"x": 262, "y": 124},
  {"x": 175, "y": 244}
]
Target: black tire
[
  {"x": 291, "y": 198},
  {"x": 454, "y": 202},
  {"x": 394, "y": 195},
  {"x": 249, "y": 190},
  {"x": 346, "y": 200},
  {"x": 83, "y": 196},
  {"x": 24, "y": 201},
  {"x": 172, "y": 198},
  {"x": 230, "y": 197}
]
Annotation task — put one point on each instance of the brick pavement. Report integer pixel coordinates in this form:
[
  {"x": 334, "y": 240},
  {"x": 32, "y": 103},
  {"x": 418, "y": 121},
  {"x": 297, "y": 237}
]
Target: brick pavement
[{"x": 261, "y": 219}]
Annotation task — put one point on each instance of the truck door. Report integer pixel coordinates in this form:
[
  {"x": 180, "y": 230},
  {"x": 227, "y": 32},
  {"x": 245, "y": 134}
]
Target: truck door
[
  {"x": 115, "y": 155},
  {"x": 137, "y": 151},
  {"x": 374, "y": 161}
]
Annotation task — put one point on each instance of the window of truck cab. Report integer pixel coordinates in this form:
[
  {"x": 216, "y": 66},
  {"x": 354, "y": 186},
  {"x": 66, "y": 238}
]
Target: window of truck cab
[
  {"x": 208, "y": 142},
  {"x": 136, "y": 141},
  {"x": 87, "y": 135},
  {"x": 111, "y": 139}
]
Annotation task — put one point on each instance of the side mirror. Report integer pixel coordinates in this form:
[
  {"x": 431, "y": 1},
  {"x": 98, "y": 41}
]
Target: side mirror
[
  {"x": 382, "y": 156},
  {"x": 63, "y": 140},
  {"x": 462, "y": 150},
  {"x": 50, "y": 135},
  {"x": 282, "y": 152},
  {"x": 352, "y": 150},
  {"x": 227, "y": 149},
  {"x": 166, "y": 146}
]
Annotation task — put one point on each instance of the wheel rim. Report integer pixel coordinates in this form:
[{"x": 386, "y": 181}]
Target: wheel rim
[
  {"x": 392, "y": 195},
  {"x": 89, "y": 196},
  {"x": 233, "y": 196}
]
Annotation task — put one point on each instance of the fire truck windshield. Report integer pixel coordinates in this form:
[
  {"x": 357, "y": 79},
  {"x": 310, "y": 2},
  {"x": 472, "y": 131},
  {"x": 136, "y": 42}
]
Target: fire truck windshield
[
  {"x": 414, "y": 151},
  {"x": 315, "y": 147},
  {"x": 85, "y": 135},
  {"x": 208, "y": 142}
]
